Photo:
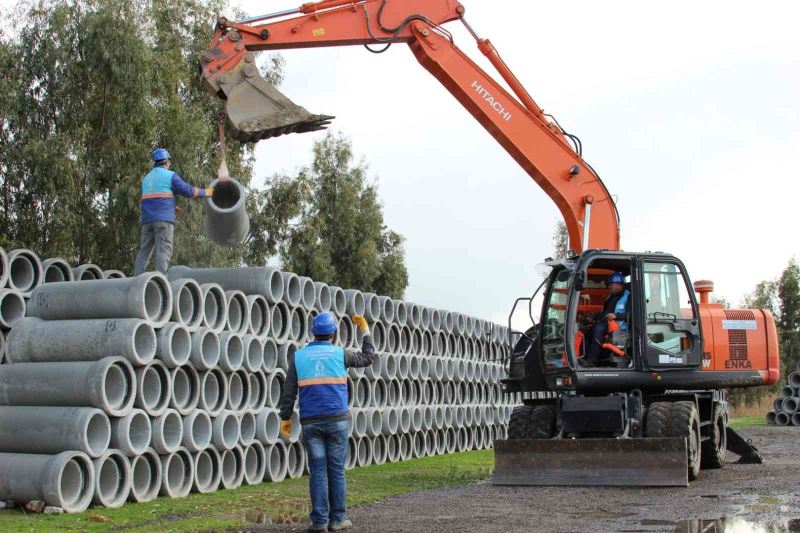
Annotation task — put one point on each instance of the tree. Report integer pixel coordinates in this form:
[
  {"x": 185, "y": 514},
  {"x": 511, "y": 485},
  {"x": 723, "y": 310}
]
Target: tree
[
  {"x": 789, "y": 319},
  {"x": 91, "y": 87},
  {"x": 560, "y": 241},
  {"x": 764, "y": 296},
  {"x": 336, "y": 233}
]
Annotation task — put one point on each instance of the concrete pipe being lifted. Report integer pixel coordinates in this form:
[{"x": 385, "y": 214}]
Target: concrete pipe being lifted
[
  {"x": 177, "y": 474},
  {"x": 322, "y": 297},
  {"x": 338, "y": 301},
  {"x": 205, "y": 354},
  {"x": 255, "y": 463},
  {"x": 260, "y": 320},
  {"x": 213, "y": 391},
  {"x": 147, "y": 296},
  {"x": 131, "y": 434},
  {"x": 308, "y": 294},
  {"x": 247, "y": 428},
  {"x": 225, "y": 430},
  {"x": 253, "y": 353},
  {"x": 145, "y": 476},
  {"x": 107, "y": 384},
  {"x": 379, "y": 450},
  {"x": 24, "y": 271},
  {"x": 227, "y": 222},
  {"x": 232, "y": 467},
  {"x": 51, "y": 430},
  {"x": 87, "y": 272},
  {"x": 295, "y": 460},
  {"x": 238, "y": 391},
  {"x": 270, "y": 356},
  {"x": 173, "y": 345},
  {"x": 292, "y": 289},
  {"x": 238, "y": 312},
  {"x": 215, "y": 307},
  {"x": 197, "y": 431},
  {"x": 231, "y": 352},
  {"x": 400, "y": 313},
  {"x": 12, "y": 308},
  {"x": 372, "y": 307},
  {"x": 268, "y": 426},
  {"x": 167, "y": 432},
  {"x": 185, "y": 389},
  {"x": 153, "y": 388},
  {"x": 207, "y": 471},
  {"x": 112, "y": 479},
  {"x": 258, "y": 390},
  {"x": 188, "y": 307},
  {"x": 276, "y": 462},
  {"x": 64, "y": 480},
  {"x": 114, "y": 274},
  {"x": 37, "y": 341},
  {"x": 55, "y": 270}
]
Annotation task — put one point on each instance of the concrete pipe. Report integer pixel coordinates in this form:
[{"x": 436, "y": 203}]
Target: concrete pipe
[
  {"x": 87, "y": 272},
  {"x": 427, "y": 343},
  {"x": 460, "y": 370},
  {"x": 413, "y": 367},
  {"x": 406, "y": 447},
  {"x": 4, "y": 267},
  {"x": 24, "y": 270},
  {"x": 393, "y": 392},
  {"x": 424, "y": 368},
  {"x": 437, "y": 372},
  {"x": 322, "y": 297},
  {"x": 64, "y": 480},
  {"x": 414, "y": 315},
  {"x": 770, "y": 417},
  {"x": 114, "y": 274},
  {"x": 268, "y": 426},
  {"x": 356, "y": 304},
  {"x": 167, "y": 432},
  {"x": 379, "y": 393},
  {"x": 213, "y": 391},
  {"x": 173, "y": 345},
  {"x": 177, "y": 474},
  {"x": 231, "y": 353},
  {"x": 350, "y": 392},
  {"x": 404, "y": 419},
  {"x": 227, "y": 222},
  {"x": 276, "y": 462},
  {"x": 405, "y": 340},
  {"x": 285, "y": 353},
  {"x": 364, "y": 452},
  {"x": 255, "y": 463},
  {"x": 51, "y": 430},
  {"x": 386, "y": 368},
  {"x": 469, "y": 371},
  {"x": 436, "y": 320},
  {"x": 777, "y": 405},
  {"x": 469, "y": 326},
  {"x": 266, "y": 281},
  {"x": 185, "y": 389},
  {"x": 379, "y": 450},
  {"x": 298, "y": 325},
  {"x": 469, "y": 416},
  {"x": 107, "y": 384},
  {"x": 295, "y": 460},
  {"x": 205, "y": 353},
  {"x": 131, "y": 434},
  {"x": 260, "y": 319},
  {"x": 270, "y": 360},
  {"x": 363, "y": 392},
  {"x": 477, "y": 439},
  {"x": 197, "y": 431},
  {"x": 258, "y": 390},
  {"x": 238, "y": 391},
  {"x": 360, "y": 422},
  {"x": 292, "y": 289},
  {"x": 12, "y": 308},
  {"x": 238, "y": 312},
  {"x": 225, "y": 430},
  {"x": 449, "y": 415},
  {"x": 308, "y": 293},
  {"x": 310, "y": 316},
  {"x": 428, "y": 413},
  {"x": 392, "y": 344},
  {"x": 795, "y": 419},
  {"x": 438, "y": 416},
  {"x": 440, "y": 441},
  {"x": 247, "y": 428},
  {"x": 386, "y": 310},
  {"x": 393, "y": 448},
  {"x": 448, "y": 321},
  {"x": 372, "y": 307},
  {"x": 215, "y": 307},
  {"x": 153, "y": 388},
  {"x": 338, "y": 301},
  {"x": 418, "y": 445},
  {"x": 147, "y": 296},
  {"x": 352, "y": 453},
  {"x": 416, "y": 341},
  {"x": 33, "y": 340},
  {"x": 451, "y": 440},
  {"x": 188, "y": 307},
  {"x": 790, "y": 405},
  {"x": 417, "y": 418},
  {"x": 145, "y": 476},
  {"x": 464, "y": 439},
  {"x": 389, "y": 420},
  {"x": 275, "y": 386},
  {"x": 378, "y": 334},
  {"x": 404, "y": 366},
  {"x": 408, "y": 394},
  {"x": 439, "y": 344},
  {"x": 449, "y": 369},
  {"x": 345, "y": 332},
  {"x": 232, "y": 468},
  {"x": 207, "y": 471},
  {"x": 424, "y": 318},
  {"x": 294, "y": 436},
  {"x": 794, "y": 379},
  {"x": 112, "y": 479},
  {"x": 54, "y": 270},
  {"x": 400, "y": 312},
  {"x": 281, "y": 322}
]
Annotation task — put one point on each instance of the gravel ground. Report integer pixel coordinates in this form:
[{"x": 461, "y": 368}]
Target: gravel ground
[{"x": 736, "y": 498}]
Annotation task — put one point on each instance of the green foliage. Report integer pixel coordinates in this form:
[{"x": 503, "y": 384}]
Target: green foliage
[
  {"x": 789, "y": 320},
  {"x": 90, "y": 88}
]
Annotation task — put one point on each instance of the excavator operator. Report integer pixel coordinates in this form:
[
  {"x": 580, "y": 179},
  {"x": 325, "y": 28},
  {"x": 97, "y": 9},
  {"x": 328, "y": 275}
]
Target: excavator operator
[{"x": 616, "y": 307}]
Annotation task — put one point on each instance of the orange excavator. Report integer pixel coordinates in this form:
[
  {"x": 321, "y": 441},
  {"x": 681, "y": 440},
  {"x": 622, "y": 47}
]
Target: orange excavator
[{"x": 649, "y": 406}]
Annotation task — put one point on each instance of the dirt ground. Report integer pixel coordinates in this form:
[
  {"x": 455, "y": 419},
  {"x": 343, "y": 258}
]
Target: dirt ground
[{"x": 736, "y": 498}]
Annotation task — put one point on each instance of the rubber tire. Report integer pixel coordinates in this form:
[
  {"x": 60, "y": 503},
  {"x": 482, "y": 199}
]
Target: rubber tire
[
  {"x": 518, "y": 422},
  {"x": 713, "y": 454},
  {"x": 677, "y": 419},
  {"x": 542, "y": 422}
]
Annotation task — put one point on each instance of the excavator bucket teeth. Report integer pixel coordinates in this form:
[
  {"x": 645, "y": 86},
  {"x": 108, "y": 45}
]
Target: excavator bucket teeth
[
  {"x": 592, "y": 462},
  {"x": 256, "y": 110}
]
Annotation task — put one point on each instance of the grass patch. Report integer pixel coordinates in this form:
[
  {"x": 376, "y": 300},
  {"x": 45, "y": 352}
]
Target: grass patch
[
  {"x": 747, "y": 422},
  {"x": 285, "y": 502}
]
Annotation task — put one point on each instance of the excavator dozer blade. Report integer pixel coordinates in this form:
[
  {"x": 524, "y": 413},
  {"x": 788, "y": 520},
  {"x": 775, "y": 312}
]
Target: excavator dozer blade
[
  {"x": 256, "y": 110},
  {"x": 592, "y": 462}
]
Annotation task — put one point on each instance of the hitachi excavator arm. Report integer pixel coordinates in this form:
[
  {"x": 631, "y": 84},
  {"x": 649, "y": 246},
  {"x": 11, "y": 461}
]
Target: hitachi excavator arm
[{"x": 256, "y": 110}]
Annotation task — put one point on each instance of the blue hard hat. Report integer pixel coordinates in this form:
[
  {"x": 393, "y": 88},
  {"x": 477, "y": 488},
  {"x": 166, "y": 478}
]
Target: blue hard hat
[
  {"x": 616, "y": 277},
  {"x": 323, "y": 325},
  {"x": 160, "y": 154}
]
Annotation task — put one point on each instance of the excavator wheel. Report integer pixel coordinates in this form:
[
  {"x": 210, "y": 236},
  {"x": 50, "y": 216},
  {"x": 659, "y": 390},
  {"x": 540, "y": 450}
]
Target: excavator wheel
[
  {"x": 542, "y": 422},
  {"x": 518, "y": 423},
  {"x": 713, "y": 450},
  {"x": 677, "y": 419}
]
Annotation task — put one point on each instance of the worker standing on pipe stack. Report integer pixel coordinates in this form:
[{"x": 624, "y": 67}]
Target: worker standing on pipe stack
[
  {"x": 159, "y": 188},
  {"x": 319, "y": 372}
]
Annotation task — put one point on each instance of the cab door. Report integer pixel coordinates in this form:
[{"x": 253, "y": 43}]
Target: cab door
[{"x": 672, "y": 336}]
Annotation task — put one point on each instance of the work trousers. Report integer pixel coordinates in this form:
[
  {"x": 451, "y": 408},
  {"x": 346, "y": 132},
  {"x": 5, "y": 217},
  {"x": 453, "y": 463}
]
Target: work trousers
[
  {"x": 594, "y": 344},
  {"x": 155, "y": 236},
  {"x": 326, "y": 447}
]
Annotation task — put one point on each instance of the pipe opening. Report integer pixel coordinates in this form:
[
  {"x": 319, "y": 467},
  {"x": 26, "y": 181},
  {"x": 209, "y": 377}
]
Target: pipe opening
[
  {"x": 181, "y": 388},
  {"x": 74, "y": 483},
  {"x": 204, "y": 470},
  {"x": 144, "y": 341},
  {"x": 142, "y": 474},
  {"x": 227, "y": 194},
  {"x": 172, "y": 429},
  {"x": 54, "y": 274},
  {"x": 210, "y": 349},
  {"x": 117, "y": 387},
  {"x": 235, "y": 390},
  {"x": 154, "y": 300},
  {"x": 139, "y": 431},
  {"x": 275, "y": 285},
  {"x": 256, "y": 316},
  {"x": 212, "y": 394},
  {"x": 235, "y": 351},
  {"x": 176, "y": 472},
  {"x": 98, "y": 433},
  {"x": 211, "y": 309},
  {"x": 12, "y": 307},
  {"x": 180, "y": 345},
  {"x": 201, "y": 430},
  {"x": 110, "y": 479},
  {"x": 228, "y": 468},
  {"x": 22, "y": 275},
  {"x": 235, "y": 314},
  {"x": 152, "y": 388}
]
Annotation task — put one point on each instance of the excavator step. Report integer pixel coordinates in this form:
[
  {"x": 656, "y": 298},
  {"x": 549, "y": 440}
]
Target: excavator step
[{"x": 636, "y": 462}]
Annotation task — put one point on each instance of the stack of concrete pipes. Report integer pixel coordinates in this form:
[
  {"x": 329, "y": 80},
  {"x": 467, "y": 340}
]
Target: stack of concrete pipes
[
  {"x": 21, "y": 271},
  {"x": 125, "y": 389},
  {"x": 786, "y": 409}
]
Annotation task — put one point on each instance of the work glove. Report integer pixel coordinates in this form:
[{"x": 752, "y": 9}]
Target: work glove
[
  {"x": 209, "y": 192},
  {"x": 286, "y": 428},
  {"x": 361, "y": 323}
]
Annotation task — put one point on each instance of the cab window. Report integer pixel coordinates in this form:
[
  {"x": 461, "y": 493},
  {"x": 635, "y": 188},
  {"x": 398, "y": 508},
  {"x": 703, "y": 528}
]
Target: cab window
[{"x": 667, "y": 302}]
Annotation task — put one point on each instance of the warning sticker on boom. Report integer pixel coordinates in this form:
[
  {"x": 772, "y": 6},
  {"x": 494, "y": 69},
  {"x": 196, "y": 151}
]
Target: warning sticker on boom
[{"x": 739, "y": 324}]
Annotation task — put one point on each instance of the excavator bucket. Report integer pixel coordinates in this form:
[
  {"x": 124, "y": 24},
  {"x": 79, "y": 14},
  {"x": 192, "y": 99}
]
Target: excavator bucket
[
  {"x": 586, "y": 462},
  {"x": 256, "y": 110}
]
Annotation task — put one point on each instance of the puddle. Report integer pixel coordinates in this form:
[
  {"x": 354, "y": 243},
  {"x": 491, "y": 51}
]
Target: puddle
[{"x": 736, "y": 525}]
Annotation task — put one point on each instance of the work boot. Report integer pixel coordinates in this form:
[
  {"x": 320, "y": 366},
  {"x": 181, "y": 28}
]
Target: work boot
[
  {"x": 317, "y": 527},
  {"x": 339, "y": 526}
]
